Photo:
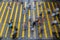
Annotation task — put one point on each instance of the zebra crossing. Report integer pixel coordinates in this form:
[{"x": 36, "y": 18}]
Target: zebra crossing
[{"x": 20, "y": 19}]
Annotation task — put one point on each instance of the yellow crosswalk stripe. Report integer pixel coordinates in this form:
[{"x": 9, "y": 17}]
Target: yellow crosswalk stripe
[
  {"x": 14, "y": 21},
  {"x": 49, "y": 25},
  {"x": 8, "y": 27},
  {"x": 45, "y": 27},
  {"x": 24, "y": 20},
  {"x": 34, "y": 20},
  {"x": 12, "y": 11},
  {"x": 50, "y": 11},
  {"x": 45, "y": 30},
  {"x": 1, "y": 6},
  {"x": 6, "y": 32},
  {"x": 19, "y": 21},
  {"x": 55, "y": 25},
  {"x": 38, "y": 16},
  {"x": 29, "y": 24},
  {"x": 3, "y": 12},
  {"x": 4, "y": 24}
]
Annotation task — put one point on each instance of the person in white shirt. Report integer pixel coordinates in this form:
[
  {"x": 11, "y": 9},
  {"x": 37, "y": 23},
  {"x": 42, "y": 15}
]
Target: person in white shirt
[
  {"x": 55, "y": 22},
  {"x": 24, "y": 11},
  {"x": 57, "y": 9},
  {"x": 54, "y": 15}
]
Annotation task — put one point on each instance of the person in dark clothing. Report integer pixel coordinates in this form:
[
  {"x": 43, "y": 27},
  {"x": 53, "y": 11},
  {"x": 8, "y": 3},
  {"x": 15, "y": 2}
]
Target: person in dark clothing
[
  {"x": 29, "y": 7},
  {"x": 21, "y": 2},
  {"x": 58, "y": 15},
  {"x": 15, "y": 28},
  {"x": 54, "y": 35},
  {"x": 59, "y": 34},
  {"x": 10, "y": 24},
  {"x": 48, "y": 11},
  {"x": 40, "y": 14},
  {"x": 15, "y": 33},
  {"x": 41, "y": 31},
  {"x": 17, "y": 0},
  {"x": 13, "y": 0},
  {"x": 35, "y": 22}
]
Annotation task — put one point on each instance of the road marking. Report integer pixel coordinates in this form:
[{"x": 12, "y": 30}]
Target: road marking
[
  {"x": 9, "y": 20},
  {"x": 24, "y": 21},
  {"x": 45, "y": 30},
  {"x": 49, "y": 25},
  {"x": 4, "y": 24},
  {"x": 1, "y": 6},
  {"x": 44, "y": 26},
  {"x": 19, "y": 21},
  {"x": 38, "y": 16},
  {"x": 28, "y": 24},
  {"x": 14, "y": 21},
  {"x": 3, "y": 12}
]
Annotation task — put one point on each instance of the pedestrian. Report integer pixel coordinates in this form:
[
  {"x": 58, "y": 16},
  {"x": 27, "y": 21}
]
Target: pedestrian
[
  {"x": 40, "y": 15},
  {"x": 58, "y": 15},
  {"x": 34, "y": 23},
  {"x": 15, "y": 33},
  {"x": 32, "y": 28},
  {"x": 9, "y": 6},
  {"x": 24, "y": 11},
  {"x": 57, "y": 9},
  {"x": 41, "y": 31},
  {"x": 55, "y": 36},
  {"x": 48, "y": 11},
  {"x": 25, "y": 26},
  {"x": 53, "y": 14},
  {"x": 10, "y": 24},
  {"x": 55, "y": 22}
]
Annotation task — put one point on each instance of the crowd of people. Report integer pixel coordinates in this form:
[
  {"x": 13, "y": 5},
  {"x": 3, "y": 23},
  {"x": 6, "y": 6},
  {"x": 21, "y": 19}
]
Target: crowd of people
[{"x": 38, "y": 21}]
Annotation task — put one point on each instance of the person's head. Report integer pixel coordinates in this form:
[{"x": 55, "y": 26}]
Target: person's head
[{"x": 21, "y": 2}]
